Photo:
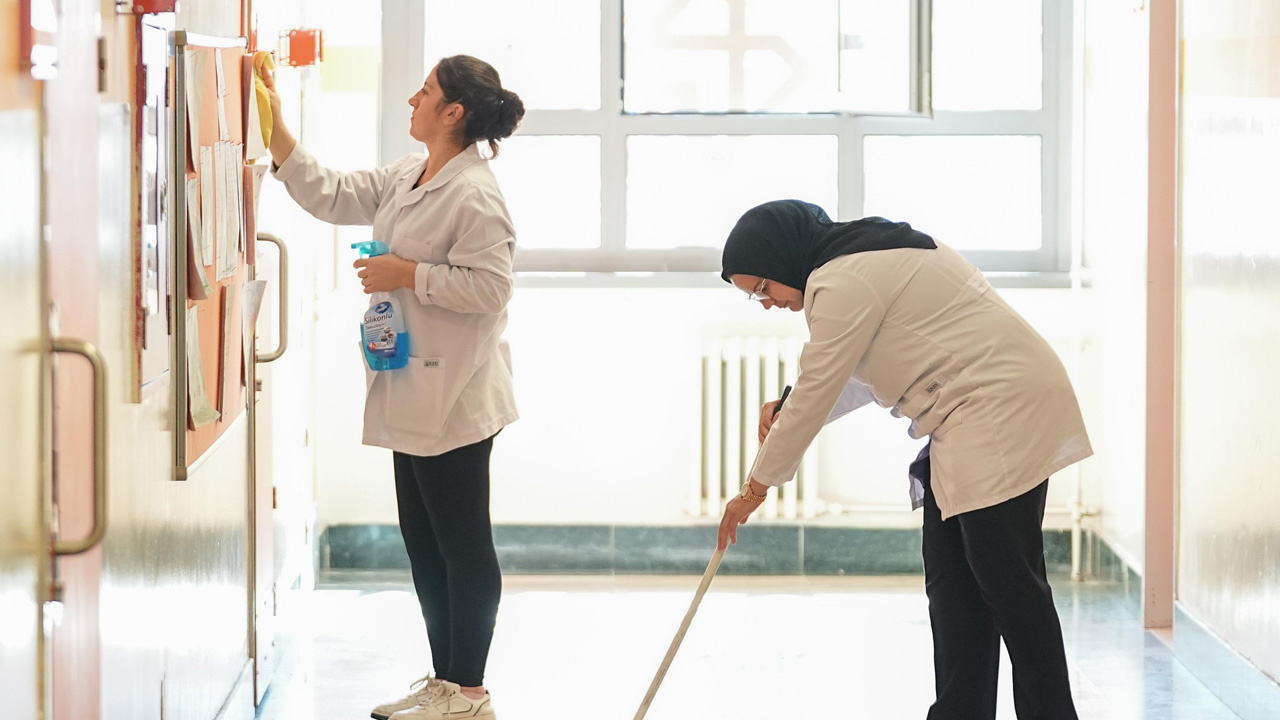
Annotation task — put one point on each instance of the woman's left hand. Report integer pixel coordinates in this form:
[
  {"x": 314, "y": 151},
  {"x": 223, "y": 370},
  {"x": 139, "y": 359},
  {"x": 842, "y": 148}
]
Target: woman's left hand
[
  {"x": 384, "y": 273},
  {"x": 735, "y": 514}
]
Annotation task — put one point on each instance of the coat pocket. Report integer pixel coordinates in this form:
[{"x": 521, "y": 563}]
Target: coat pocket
[{"x": 415, "y": 402}]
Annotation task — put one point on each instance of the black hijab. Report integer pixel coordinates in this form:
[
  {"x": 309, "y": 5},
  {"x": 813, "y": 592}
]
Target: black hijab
[{"x": 785, "y": 240}]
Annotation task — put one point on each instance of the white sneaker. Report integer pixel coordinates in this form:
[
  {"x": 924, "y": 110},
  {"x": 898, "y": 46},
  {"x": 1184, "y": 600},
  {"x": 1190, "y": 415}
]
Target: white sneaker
[
  {"x": 421, "y": 690},
  {"x": 449, "y": 704}
]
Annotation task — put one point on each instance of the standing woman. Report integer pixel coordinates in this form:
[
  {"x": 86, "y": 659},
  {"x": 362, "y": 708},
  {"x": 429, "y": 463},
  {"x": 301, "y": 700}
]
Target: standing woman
[
  {"x": 904, "y": 322},
  {"x": 451, "y": 249}
]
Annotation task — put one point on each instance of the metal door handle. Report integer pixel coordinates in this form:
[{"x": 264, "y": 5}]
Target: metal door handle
[
  {"x": 90, "y": 353},
  {"x": 283, "y": 342}
]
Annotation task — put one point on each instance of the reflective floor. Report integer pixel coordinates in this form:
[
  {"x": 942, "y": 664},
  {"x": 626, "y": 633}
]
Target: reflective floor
[{"x": 786, "y": 647}]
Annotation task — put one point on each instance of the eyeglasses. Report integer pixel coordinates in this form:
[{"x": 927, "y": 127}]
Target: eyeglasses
[{"x": 758, "y": 295}]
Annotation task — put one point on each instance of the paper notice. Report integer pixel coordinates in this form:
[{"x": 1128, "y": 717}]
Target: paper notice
[
  {"x": 201, "y": 412},
  {"x": 223, "y": 240},
  {"x": 259, "y": 171},
  {"x": 237, "y": 171},
  {"x": 208, "y": 208},
  {"x": 194, "y": 65},
  {"x": 231, "y": 210},
  {"x": 224, "y": 130},
  {"x": 193, "y": 219},
  {"x": 250, "y": 304},
  {"x": 198, "y": 287},
  {"x": 221, "y": 73},
  {"x": 254, "y": 147},
  {"x": 227, "y": 383}
]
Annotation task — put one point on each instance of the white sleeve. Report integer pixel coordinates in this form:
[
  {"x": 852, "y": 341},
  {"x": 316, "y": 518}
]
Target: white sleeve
[
  {"x": 341, "y": 198},
  {"x": 479, "y": 277},
  {"x": 854, "y": 396},
  {"x": 842, "y": 321}
]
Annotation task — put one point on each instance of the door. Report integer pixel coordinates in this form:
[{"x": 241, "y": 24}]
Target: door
[
  {"x": 71, "y": 220},
  {"x": 23, "y": 532},
  {"x": 264, "y": 588}
]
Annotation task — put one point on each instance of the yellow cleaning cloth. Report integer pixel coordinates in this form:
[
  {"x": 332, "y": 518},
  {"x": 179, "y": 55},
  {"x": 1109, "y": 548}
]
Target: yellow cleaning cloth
[{"x": 262, "y": 59}]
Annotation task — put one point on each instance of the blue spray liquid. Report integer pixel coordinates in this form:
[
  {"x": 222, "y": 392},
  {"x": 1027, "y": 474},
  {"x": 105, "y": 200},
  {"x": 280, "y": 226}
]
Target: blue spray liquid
[{"x": 383, "y": 335}]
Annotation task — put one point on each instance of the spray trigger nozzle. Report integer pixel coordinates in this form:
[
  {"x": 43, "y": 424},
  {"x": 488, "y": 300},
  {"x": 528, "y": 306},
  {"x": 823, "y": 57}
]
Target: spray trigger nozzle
[{"x": 371, "y": 248}]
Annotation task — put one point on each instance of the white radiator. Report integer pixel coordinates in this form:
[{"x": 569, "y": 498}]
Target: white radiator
[{"x": 738, "y": 376}]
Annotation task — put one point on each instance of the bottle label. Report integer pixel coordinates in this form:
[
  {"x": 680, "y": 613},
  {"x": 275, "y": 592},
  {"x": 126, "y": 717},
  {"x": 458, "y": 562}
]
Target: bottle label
[{"x": 379, "y": 331}]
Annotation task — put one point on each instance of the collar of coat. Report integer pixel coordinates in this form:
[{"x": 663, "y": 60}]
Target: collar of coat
[{"x": 457, "y": 164}]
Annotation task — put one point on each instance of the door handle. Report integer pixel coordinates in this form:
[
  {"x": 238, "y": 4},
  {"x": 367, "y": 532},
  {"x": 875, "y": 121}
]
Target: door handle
[
  {"x": 283, "y": 342},
  {"x": 99, "y": 365}
]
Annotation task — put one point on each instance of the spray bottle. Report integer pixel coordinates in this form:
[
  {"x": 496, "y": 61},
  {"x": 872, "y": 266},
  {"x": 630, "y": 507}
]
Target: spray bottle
[{"x": 383, "y": 335}]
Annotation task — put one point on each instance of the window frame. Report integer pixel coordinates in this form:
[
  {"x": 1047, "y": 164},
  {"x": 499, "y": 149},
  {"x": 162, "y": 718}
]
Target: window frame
[{"x": 1047, "y": 267}]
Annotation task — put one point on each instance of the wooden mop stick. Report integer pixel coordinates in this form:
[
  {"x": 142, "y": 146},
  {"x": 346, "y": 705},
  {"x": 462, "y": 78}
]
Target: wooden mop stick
[{"x": 684, "y": 627}]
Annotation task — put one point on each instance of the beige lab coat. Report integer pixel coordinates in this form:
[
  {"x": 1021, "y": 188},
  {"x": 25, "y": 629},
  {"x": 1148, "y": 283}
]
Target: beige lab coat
[
  {"x": 457, "y": 387},
  {"x": 922, "y": 332}
]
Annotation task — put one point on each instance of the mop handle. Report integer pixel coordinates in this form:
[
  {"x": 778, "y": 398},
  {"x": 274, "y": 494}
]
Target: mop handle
[{"x": 684, "y": 627}]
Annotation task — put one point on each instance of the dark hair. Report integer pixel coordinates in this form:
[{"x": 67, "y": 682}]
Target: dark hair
[{"x": 492, "y": 112}]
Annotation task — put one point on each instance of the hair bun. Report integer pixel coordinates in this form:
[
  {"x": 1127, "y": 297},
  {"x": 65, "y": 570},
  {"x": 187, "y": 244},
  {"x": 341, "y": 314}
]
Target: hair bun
[{"x": 510, "y": 113}]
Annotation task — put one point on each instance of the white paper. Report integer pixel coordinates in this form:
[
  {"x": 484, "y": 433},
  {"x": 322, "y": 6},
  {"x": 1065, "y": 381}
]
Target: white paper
[
  {"x": 193, "y": 220},
  {"x": 254, "y": 147},
  {"x": 221, "y": 74},
  {"x": 224, "y": 132},
  {"x": 259, "y": 172},
  {"x": 202, "y": 413},
  {"x": 194, "y": 67},
  {"x": 208, "y": 207},
  {"x": 238, "y": 166},
  {"x": 223, "y": 129},
  {"x": 250, "y": 304},
  {"x": 220, "y": 199},
  {"x": 198, "y": 287},
  {"x": 226, "y": 381},
  {"x": 233, "y": 224}
]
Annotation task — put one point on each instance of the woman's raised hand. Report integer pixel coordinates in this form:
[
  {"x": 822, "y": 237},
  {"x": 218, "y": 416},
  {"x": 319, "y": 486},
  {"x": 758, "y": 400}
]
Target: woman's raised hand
[
  {"x": 282, "y": 142},
  {"x": 261, "y": 63}
]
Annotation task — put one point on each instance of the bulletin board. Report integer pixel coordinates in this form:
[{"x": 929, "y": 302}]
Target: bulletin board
[{"x": 208, "y": 352}]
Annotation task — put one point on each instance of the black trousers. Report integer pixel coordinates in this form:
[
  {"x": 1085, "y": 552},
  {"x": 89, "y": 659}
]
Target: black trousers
[
  {"x": 444, "y": 518},
  {"x": 985, "y": 579}
]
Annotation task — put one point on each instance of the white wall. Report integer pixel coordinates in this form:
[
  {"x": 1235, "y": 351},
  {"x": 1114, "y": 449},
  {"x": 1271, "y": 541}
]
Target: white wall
[{"x": 1114, "y": 230}]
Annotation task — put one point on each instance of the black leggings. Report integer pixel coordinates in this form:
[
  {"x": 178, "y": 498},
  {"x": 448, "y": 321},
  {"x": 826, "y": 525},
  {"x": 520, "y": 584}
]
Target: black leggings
[
  {"x": 444, "y": 518},
  {"x": 985, "y": 579}
]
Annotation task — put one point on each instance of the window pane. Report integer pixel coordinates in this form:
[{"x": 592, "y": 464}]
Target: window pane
[
  {"x": 970, "y": 192},
  {"x": 875, "y": 55},
  {"x": 688, "y": 191},
  {"x": 552, "y": 187},
  {"x": 987, "y": 54},
  {"x": 551, "y": 59},
  {"x": 766, "y": 56}
]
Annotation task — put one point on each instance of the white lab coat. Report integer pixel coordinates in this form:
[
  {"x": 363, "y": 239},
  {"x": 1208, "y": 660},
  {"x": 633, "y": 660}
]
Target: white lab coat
[
  {"x": 922, "y": 332},
  {"x": 457, "y": 387}
]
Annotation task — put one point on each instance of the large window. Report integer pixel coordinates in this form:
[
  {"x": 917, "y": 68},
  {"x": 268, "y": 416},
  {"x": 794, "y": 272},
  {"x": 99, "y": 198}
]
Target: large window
[{"x": 653, "y": 124}]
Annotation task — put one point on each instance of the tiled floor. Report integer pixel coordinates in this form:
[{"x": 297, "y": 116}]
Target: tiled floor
[{"x": 585, "y": 648}]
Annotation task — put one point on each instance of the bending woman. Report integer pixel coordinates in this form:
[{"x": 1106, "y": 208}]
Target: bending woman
[
  {"x": 902, "y": 321},
  {"x": 451, "y": 249}
]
